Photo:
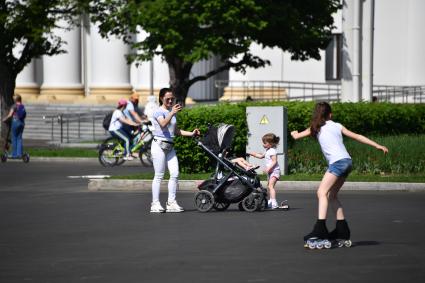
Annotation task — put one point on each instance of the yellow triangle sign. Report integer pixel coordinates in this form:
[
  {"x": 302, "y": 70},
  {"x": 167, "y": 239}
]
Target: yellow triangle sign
[{"x": 264, "y": 120}]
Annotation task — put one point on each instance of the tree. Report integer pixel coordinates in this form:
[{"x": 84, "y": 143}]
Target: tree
[
  {"x": 27, "y": 32},
  {"x": 184, "y": 32}
]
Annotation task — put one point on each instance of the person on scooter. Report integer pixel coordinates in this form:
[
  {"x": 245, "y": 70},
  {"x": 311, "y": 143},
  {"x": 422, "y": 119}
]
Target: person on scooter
[
  {"x": 18, "y": 115},
  {"x": 116, "y": 127}
]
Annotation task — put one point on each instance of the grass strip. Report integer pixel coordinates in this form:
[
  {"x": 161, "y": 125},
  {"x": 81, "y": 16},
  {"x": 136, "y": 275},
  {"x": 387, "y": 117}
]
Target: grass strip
[{"x": 62, "y": 152}]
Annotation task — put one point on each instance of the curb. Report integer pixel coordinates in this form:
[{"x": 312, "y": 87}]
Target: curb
[
  {"x": 191, "y": 186},
  {"x": 64, "y": 159}
]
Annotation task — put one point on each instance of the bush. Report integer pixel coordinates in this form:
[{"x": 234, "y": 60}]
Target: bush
[
  {"x": 405, "y": 156},
  {"x": 376, "y": 119}
]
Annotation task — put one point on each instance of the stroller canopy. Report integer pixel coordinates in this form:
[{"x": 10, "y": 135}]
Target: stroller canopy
[{"x": 219, "y": 138}]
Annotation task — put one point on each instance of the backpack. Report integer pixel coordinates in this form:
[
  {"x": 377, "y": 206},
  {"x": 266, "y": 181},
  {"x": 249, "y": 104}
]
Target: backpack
[
  {"x": 107, "y": 120},
  {"x": 20, "y": 111}
]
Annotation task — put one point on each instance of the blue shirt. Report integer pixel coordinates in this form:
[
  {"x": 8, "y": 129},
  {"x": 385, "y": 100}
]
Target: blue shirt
[{"x": 128, "y": 109}]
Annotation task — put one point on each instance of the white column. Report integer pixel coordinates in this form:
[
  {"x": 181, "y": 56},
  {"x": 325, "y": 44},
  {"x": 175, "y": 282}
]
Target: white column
[
  {"x": 357, "y": 51},
  {"x": 26, "y": 78},
  {"x": 368, "y": 36},
  {"x": 149, "y": 76},
  {"x": 161, "y": 77},
  {"x": 26, "y": 84},
  {"x": 62, "y": 73},
  {"x": 351, "y": 51},
  {"x": 346, "y": 56},
  {"x": 109, "y": 72},
  {"x": 415, "y": 45},
  {"x": 85, "y": 54}
]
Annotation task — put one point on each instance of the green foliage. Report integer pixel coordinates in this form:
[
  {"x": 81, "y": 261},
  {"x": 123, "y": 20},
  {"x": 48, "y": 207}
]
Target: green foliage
[
  {"x": 191, "y": 157},
  {"x": 183, "y": 32},
  {"x": 406, "y": 156},
  {"x": 62, "y": 152},
  {"x": 400, "y": 127}
]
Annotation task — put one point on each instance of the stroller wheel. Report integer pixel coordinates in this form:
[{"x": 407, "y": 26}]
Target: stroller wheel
[
  {"x": 204, "y": 201},
  {"x": 221, "y": 206},
  {"x": 262, "y": 203},
  {"x": 250, "y": 203}
]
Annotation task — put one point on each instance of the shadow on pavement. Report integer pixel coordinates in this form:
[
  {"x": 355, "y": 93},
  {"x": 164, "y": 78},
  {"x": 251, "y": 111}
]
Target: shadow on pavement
[{"x": 365, "y": 243}]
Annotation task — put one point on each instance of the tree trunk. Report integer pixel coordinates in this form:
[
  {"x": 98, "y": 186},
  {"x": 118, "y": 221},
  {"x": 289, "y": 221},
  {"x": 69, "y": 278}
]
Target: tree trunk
[
  {"x": 179, "y": 78},
  {"x": 7, "y": 89}
]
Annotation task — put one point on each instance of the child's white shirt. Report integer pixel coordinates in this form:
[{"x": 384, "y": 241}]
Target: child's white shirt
[{"x": 268, "y": 158}]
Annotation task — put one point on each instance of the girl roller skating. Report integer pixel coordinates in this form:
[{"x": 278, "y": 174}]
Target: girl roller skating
[{"x": 329, "y": 135}]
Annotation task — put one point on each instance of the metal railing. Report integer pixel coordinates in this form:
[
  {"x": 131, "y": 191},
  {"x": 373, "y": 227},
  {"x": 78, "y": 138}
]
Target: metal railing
[
  {"x": 273, "y": 90},
  {"x": 75, "y": 126},
  {"x": 308, "y": 91},
  {"x": 399, "y": 94}
]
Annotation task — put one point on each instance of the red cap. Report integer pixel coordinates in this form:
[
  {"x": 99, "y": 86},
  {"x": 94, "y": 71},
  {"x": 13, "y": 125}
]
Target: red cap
[{"x": 122, "y": 102}]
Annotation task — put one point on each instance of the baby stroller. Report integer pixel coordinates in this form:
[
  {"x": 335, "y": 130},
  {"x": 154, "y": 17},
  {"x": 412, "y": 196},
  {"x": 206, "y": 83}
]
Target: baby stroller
[{"x": 230, "y": 183}]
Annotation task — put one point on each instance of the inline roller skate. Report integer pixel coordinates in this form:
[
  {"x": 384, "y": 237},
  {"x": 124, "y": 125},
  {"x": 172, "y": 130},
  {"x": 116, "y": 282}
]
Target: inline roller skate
[
  {"x": 319, "y": 237},
  {"x": 340, "y": 236}
]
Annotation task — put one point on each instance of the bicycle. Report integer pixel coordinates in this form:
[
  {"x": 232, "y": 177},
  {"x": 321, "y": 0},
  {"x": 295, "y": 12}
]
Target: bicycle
[{"x": 111, "y": 150}]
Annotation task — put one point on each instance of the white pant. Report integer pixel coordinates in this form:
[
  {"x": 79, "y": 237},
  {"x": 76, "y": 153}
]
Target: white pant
[{"x": 160, "y": 158}]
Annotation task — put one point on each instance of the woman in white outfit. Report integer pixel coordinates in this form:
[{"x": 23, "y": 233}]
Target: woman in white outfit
[{"x": 163, "y": 153}]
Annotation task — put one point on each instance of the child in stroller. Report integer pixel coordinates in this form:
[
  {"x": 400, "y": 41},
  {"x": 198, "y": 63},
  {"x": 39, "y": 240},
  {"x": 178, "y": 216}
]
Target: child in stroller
[{"x": 232, "y": 181}]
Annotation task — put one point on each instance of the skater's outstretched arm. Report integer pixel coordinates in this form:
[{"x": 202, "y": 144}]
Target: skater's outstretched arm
[
  {"x": 296, "y": 135},
  {"x": 364, "y": 140}
]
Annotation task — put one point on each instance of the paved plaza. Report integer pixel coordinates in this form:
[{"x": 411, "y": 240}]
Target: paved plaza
[{"x": 53, "y": 229}]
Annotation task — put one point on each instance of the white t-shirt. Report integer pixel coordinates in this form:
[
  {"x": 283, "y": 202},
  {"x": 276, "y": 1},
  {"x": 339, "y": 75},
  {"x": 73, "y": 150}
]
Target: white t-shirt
[
  {"x": 115, "y": 121},
  {"x": 167, "y": 132},
  {"x": 331, "y": 142},
  {"x": 268, "y": 158}
]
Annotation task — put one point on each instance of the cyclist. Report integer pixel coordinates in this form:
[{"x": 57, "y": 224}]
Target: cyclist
[
  {"x": 116, "y": 127},
  {"x": 133, "y": 112}
]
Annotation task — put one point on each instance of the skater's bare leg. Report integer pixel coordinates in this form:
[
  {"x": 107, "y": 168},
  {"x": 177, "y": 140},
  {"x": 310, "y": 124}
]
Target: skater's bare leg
[
  {"x": 333, "y": 198},
  {"x": 325, "y": 186}
]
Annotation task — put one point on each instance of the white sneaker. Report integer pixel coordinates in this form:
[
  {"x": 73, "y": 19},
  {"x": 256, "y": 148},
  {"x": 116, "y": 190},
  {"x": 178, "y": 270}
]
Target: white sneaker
[
  {"x": 128, "y": 158},
  {"x": 272, "y": 205},
  {"x": 173, "y": 206},
  {"x": 156, "y": 207}
]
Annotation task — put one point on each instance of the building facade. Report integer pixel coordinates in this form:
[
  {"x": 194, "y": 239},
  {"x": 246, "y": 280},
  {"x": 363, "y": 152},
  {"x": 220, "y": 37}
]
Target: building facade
[{"x": 376, "y": 42}]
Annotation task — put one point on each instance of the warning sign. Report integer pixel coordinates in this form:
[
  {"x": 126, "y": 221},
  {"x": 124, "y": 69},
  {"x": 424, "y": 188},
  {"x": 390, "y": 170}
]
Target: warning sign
[{"x": 264, "y": 120}]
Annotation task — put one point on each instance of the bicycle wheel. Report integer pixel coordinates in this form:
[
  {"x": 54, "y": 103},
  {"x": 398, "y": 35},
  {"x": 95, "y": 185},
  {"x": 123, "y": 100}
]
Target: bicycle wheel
[
  {"x": 111, "y": 152},
  {"x": 145, "y": 155}
]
